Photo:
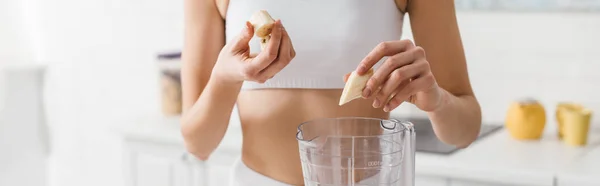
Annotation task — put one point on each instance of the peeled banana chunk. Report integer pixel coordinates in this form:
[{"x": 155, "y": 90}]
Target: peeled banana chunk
[
  {"x": 263, "y": 25},
  {"x": 264, "y": 41},
  {"x": 354, "y": 86}
]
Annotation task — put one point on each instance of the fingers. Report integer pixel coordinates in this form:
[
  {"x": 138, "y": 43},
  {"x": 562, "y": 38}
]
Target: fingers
[
  {"x": 242, "y": 40},
  {"x": 380, "y": 101},
  {"x": 275, "y": 41},
  {"x": 282, "y": 60},
  {"x": 346, "y": 77},
  {"x": 422, "y": 83},
  {"x": 292, "y": 50},
  {"x": 399, "y": 76},
  {"x": 387, "y": 48},
  {"x": 267, "y": 56},
  {"x": 285, "y": 48},
  {"x": 393, "y": 63}
]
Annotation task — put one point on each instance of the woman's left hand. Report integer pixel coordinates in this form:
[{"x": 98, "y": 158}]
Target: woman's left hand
[{"x": 404, "y": 76}]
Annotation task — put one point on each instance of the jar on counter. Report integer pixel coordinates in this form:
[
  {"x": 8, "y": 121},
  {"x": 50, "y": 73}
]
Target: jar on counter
[{"x": 170, "y": 83}]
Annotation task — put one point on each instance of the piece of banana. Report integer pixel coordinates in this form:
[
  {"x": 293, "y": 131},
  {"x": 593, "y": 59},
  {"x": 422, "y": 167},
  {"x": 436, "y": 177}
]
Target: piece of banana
[
  {"x": 264, "y": 41},
  {"x": 263, "y": 25},
  {"x": 354, "y": 86}
]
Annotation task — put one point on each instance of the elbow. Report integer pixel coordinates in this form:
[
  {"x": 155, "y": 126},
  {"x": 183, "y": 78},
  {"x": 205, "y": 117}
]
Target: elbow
[
  {"x": 194, "y": 148},
  {"x": 466, "y": 140},
  {"x": 192, "y": 144},
  {"x": 470, "y": 133},
  {"x": 461, "y": 140},
  {"x": 465, "y": 135},
  {"x": 198, "y": 154}
]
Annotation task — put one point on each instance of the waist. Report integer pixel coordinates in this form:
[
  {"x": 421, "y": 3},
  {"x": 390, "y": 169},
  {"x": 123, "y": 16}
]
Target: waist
[
  {"x": 270, "y": 117},
  {"x": 300, "y": 104}
]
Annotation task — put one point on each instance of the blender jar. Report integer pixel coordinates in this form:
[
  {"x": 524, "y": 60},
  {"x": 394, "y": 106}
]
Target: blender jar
[{"x": 357, "y": 151}]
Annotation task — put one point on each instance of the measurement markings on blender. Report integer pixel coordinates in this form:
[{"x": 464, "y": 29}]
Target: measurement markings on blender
[{"x": 374, "y": 163}]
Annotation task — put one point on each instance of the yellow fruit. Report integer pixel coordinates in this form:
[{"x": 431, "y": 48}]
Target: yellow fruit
[
  {"x": 573, "y": 123},
  {"x": 526, "y": 120},
  {"x": 560, "y": 109}
]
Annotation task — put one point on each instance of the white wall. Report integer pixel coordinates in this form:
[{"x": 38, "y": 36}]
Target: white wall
[
  {"x": 15, "y": 43},
  {"x": 103, "y": 70},
  {"x": 551, "y": 57}
]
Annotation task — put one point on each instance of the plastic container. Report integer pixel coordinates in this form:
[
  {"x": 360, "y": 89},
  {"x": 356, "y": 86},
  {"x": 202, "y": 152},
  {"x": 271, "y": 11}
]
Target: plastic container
[
  {"x": 356, "y": 152},
  {"x": 170, "y": 83}
]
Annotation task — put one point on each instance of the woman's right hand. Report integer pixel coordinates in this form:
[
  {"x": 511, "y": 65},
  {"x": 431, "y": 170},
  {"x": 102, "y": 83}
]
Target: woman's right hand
[{"x": 235, "y": 63}]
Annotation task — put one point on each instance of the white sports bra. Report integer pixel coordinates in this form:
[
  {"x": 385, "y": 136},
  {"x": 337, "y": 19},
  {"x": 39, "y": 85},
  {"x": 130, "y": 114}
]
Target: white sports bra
[{"x": 330, "y": 37}]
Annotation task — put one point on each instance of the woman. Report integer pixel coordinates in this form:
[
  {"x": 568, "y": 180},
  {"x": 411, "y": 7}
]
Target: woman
[{"x": 287, "y": 84}]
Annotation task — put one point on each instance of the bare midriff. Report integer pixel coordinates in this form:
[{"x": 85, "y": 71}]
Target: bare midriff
[{"x": 270, "y": 117}]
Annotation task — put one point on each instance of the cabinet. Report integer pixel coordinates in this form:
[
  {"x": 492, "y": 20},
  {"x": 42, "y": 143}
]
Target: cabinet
[
  {"x": 152, "y": 163},
  {"x": 154, "y": 155},
  {"x": 24, "y": 133},
  {"x": 161, "y": 164}
]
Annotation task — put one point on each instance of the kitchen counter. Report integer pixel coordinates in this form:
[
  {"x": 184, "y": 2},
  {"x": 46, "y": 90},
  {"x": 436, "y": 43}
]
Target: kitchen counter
[
  {"x": 500, "y": 159},
  {"x": 496, "y": 158},
  {"x": 166, "y": 130},
  {"x": 585, "y": 171}
]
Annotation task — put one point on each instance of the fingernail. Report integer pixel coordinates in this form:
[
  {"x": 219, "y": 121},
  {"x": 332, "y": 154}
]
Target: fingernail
[
  {"x": 376, "y": 103},
  {"x": 366, "y": 92},
  {"x": 386, "y": 108}
]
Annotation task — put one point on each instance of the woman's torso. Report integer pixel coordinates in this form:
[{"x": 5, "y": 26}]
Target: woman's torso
[{"x": 330, "y": 38}]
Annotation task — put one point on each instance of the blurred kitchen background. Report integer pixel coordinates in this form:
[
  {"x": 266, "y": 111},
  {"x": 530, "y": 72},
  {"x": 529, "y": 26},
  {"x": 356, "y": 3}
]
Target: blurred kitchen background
[{"x": 86, "y": 100}]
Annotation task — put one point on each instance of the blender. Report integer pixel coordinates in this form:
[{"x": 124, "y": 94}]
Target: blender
[{"x": 355, "y": 151}]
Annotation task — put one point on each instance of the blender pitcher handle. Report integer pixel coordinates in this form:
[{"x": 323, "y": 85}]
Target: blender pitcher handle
[
  {"x": 389, "y": 125},
  {"x": 407, "y": 125}
]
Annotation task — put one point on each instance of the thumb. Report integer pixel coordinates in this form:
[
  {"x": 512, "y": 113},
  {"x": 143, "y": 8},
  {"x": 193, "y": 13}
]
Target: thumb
[{"x": 242, "y": 40}]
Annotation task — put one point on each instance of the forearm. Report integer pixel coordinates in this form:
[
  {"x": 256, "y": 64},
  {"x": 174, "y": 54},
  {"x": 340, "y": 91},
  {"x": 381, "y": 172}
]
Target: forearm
[
  {"x": 205, "y": 123},
  {"x": 458, "y": 119}
]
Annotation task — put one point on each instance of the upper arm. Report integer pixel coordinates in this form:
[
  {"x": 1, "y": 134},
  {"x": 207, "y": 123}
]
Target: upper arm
[
  {"x": 203, "y": 39},
  {"x": 435, "y": 29}
]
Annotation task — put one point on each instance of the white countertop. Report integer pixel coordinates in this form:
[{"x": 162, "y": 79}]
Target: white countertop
[
  {"x": 23, "y": 66},
  {"x": 496, "y": 158},
  {"x": 501, "y": 159},
  {"x": 166, "y": 130},
  {"x": 585, "y": 171}
]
